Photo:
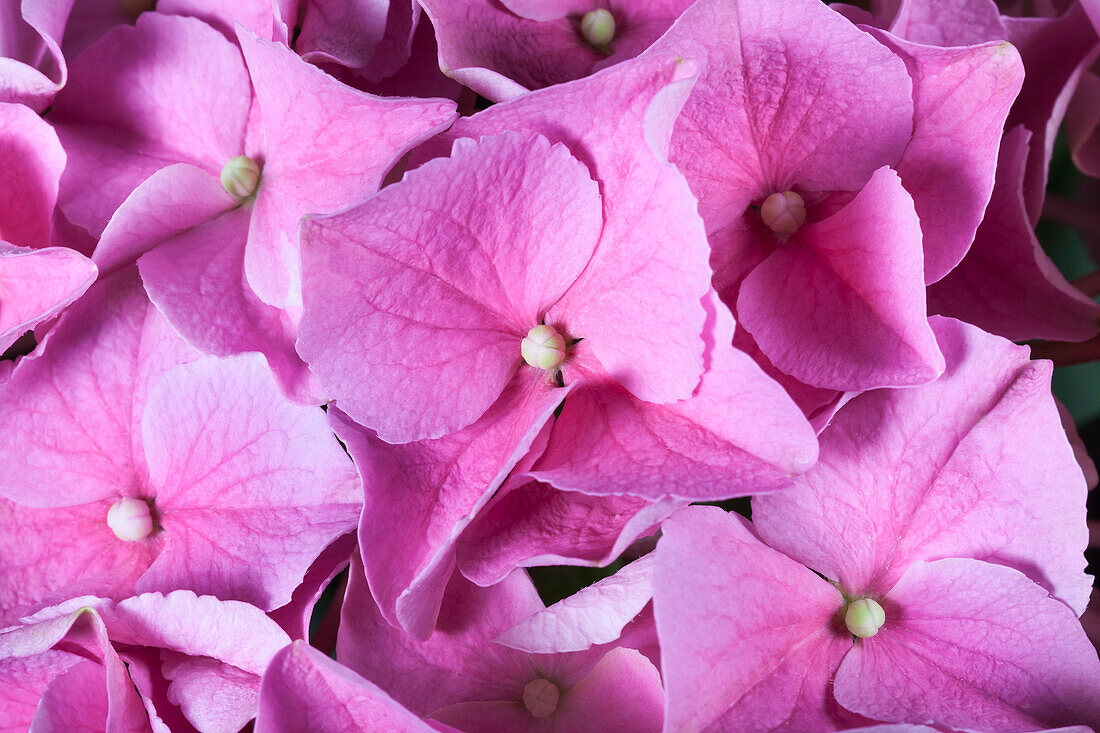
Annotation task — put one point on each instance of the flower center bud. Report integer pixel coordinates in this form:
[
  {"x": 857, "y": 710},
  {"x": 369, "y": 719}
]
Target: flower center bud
[
  {"x": 543, "y": 348},
  {"x": 240, "y": 176},
  {"x": 598, "y": 28},
  {"x": 864, "y": 617},
  {"x": 784, "y": 212},
  {"x": 541, "y": 697},
  {"x": 130, "y": 519}
]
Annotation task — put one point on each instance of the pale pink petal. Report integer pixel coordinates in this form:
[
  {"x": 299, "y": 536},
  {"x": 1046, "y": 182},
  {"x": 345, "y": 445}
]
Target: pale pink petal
[
  {"x": 71, "y": 410},
  {"x": 533, "y": 524},
  {"x": 31, "y": 161},
  {"x": 24, "y": 679},
  {"x": 738, "y": 433},
  {"x": 841, "y": 305},
  {"x": 643, "y": 323},
  {"x": 326, "y": 146},
  {"x": 961, "y": 97},
  {"x": 128, "y": 111},
  {"x": 975, "y": 464},
  {"x": 250, "y": 488},
  {"x": 305, "y": 690},
  {"x": 420, "y": 496},
  {"x": 36, "y": 285},
  {"x": 345, "y": 32},
  {"x": 975, "y": 646},
  {"x": 417, "y": 301},
  {"x": 777, "y": 106},
  {"x": 212, "y": 695},
  {"x": 593, "y": 615},
  {"x": 948, "y": 22},
  {"x": 196, "y": 279},
  {"x": 747, "y": 637},
  {"x": 295, "y": 616}
]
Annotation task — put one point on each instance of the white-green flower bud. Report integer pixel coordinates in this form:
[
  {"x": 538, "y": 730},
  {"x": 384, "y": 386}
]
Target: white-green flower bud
[
  {"x": 864, "y": 617},
  {"x": 130, "y": 519},
  {"x": 598, "y": 28},
  {"x": 543, "y": 348},
  {"x": 240, "y": 177}
]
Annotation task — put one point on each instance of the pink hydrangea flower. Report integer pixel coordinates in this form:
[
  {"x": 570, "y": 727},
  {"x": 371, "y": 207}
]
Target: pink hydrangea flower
[
  {"x": 462, "y": 678},
  {"x": 174, "y": 471}
]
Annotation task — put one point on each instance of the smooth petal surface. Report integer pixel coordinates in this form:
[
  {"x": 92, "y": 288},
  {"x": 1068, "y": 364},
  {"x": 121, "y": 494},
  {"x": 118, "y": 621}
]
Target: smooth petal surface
[
  {"x": 250, "y": 488},
  {"x": 974, "y": 646},
  {"x": 305, "y": 690},
  {"x": 841, "y": 305},
  {"x": 31, "y": 161},
  {"x": 1006, "y": 284},
  {"x": 416, "y": 301},
  {"x": 420, "y": 496},
  {"x": 777, "y": 108},
  {"x": 639, "y": 303},
  {"x": 748, "y": 638},
  {"x": 327, "y": 146},
  {"x": 961, "y": 97},
  {"x": 36, "y": 285},
  {"x": 593, "y": 615},
  {"x": 948, "y": 22},
  {"x": 128, "y": 111},
  {"x": 975, "y": 464}
]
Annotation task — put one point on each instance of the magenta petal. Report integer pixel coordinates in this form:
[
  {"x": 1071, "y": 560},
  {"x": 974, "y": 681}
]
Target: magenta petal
[
  {"x": 777, "y": 106},
  {"x": 593, "y": 615},
  {"x": 842, "y": 304},
  {"x": 533, "y": 524},
  {"x": 420, "y": 496},
  {"x": 739, "y": 433},
  {"x": 31, "y": 161},
  {"x": 305, "y": 690},
  {"x": 975, "y": 464},
  {"x": 250, "y": 488},
  {"x": 196, "y": 279},
  {"x": 37, "y": 284},
  {"x": 622, "y": 694},
  {"x": 962, "y": 97},
  {"x": 326, "y": 146},
  {"x": 116, "y": 138},
  {"x": 168, "y": 203},
  {"x": 70, "y": 410},
  {"x": 416, "y": 302},
  {"x": 1006, "y": 284},
  {"x": 747, "y": 635},
  {"x": 973, "y": 646},
  {"x": 948, "y": 22}
]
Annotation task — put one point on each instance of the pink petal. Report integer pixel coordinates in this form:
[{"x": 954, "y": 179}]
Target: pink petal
[
  {"x": 305, "y": 690},
  {"x": 747, "y": 635},
  {"x": 948, "y": 22},
  {"x": 250, "y": 488},
  {"x": 128, "y": 111},
  {"x": 841, "y": 305},
  {"x": 71, "y": 410},
  {"x": 1007, "y": 284},
  {"x": 459, "y": 663},
  {"x": 295, "y": 616},
  {"x": 37, "y": 285},
  {"x": 416, "y": 301},
  {"x": 975, "y": 464},
  {"x": 972, "y": 645},
  {"x": 31, "y": 161},
  {"x": 326, "y": 146},
  {"x": 593, "y": 615},
  {"x": 533, "y": 524},
  {"x": 420, "y": 496},
  {"x": 962, "y": 97},
  {"x": 212, "y": 695},
  {"x": 738, "y": 433},
  {"x": 791, "y": 94},
  {"x": 643, "y": 323}
]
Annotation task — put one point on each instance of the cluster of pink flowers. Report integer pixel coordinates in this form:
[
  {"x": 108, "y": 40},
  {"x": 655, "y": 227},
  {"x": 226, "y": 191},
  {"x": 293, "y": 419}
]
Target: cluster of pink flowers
[{"x": 351, "y": 311}]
